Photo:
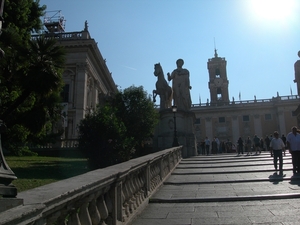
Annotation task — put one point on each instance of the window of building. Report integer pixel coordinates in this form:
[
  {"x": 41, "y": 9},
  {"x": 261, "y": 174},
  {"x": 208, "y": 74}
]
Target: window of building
[
  {"x": 222, "y": 119},
  {"x": 65, "y": 93},
  {"x": 268, "y": 116},
  {"x": 197, "y": 121},
  {"x": 217, "y": 72},
  {"x": 246, "y": 118},
  {"x": 219, "y": 94}
]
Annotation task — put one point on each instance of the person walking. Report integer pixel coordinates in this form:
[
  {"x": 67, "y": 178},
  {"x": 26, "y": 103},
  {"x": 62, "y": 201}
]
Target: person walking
[
  {"x": 283, "y": 138},
  {"x": 248, "y": 146},
  {"x": 267, "y": 141},
  {"x": 207, "y": 145},
  {"x": 293, "y": 144},
  {"x": 218, "y": 144},
  {"x": 256, "y": 143},
  {"x": 202, "y": 145},
  {"x": 240, "y": 146},
  {"x": 276, "y": 148}
]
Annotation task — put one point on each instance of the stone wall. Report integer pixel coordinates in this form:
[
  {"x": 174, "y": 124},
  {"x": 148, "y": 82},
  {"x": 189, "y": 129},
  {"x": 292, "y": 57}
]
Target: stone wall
[{"x": 113, "y": 195}]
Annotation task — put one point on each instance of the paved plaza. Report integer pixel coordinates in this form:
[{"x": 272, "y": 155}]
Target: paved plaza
[{"x": 226, "y": 189}]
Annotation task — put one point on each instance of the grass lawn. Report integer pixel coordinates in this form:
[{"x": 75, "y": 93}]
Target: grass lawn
[{"x": 35, "y": 171}]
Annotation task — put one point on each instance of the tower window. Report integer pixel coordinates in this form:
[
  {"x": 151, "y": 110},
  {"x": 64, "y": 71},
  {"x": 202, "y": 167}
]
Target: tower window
[
  {"x": 219, "y": 94},
  {"x": 217, "y": 72}
]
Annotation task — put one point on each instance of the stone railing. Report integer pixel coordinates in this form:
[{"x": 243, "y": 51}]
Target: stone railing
[
  {"x": 254, "y": 101},
  {"x": 64, "y": 36},
  {"x": 109, "y": 196}
]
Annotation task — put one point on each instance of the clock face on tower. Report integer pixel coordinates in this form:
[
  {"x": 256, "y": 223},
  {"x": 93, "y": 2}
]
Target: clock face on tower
[{"x": 218, "y": 82}]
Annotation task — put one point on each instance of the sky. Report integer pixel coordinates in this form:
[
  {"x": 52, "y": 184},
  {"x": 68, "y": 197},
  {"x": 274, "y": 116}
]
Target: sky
[{"x": 259, "y": 39}]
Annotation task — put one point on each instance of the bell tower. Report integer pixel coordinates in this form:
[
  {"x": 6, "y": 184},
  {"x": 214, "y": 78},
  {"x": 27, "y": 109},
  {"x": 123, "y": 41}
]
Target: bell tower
[{"x": 218, "y": 82}]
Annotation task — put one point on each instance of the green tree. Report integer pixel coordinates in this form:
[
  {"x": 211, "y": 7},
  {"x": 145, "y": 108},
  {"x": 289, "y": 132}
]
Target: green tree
[
  {"x": 102, "y": 136},
  {"x": 139, "y": 116},
  {"x": 30, "y": 75},
  {"x": 115, "y": 132}
]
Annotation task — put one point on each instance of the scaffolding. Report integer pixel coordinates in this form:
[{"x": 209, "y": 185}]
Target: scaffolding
[{"x": 54, "y": 22}]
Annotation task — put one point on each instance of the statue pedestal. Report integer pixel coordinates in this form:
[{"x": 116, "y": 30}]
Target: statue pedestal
[{"x": 164, "y": 131}]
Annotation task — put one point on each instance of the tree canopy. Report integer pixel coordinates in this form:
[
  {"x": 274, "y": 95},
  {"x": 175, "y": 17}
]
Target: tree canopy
[
  {"x": 116, "y": 131},
  {"x": 30, "y": 75}
]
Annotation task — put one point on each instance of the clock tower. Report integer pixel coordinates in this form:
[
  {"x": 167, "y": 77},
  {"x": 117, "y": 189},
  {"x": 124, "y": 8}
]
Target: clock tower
[{"x": 218, "y": 82}]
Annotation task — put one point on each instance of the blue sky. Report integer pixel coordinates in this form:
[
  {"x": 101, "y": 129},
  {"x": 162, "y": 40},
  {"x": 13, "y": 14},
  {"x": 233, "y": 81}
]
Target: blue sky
[{"x": 260, "y": 40}]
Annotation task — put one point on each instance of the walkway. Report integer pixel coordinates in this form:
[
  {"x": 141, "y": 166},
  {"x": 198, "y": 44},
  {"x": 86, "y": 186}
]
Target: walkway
[{"x": 226, "y": 189}]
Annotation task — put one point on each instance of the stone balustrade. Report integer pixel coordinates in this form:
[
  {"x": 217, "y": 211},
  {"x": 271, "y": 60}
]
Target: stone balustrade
[
  {"x": 109, "y": 196},
  {"x": 65, "y": 35},
  {"x": 294, "y": 98}
]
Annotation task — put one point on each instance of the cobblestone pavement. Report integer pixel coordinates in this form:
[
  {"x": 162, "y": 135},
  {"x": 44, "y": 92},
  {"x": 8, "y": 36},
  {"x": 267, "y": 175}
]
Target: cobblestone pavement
[{"x": 226, "y": 189}]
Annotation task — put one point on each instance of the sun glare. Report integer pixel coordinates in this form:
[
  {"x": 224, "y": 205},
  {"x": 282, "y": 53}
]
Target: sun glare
[{"x": 272, "y": 9}]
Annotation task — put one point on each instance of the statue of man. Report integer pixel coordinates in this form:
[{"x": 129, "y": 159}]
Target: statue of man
[
  {"x": 181, "y": 86},
  {"x": 297, "y": 74}
]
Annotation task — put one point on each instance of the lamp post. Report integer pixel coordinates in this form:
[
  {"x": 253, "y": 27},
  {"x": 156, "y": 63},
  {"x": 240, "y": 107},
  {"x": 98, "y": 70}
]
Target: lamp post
[
  {"x": 6, "y": 174},
  {"x": 175, "y": 140}
]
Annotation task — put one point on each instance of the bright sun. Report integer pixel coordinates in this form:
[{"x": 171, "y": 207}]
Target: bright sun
[{"x": 272, "y": 9}]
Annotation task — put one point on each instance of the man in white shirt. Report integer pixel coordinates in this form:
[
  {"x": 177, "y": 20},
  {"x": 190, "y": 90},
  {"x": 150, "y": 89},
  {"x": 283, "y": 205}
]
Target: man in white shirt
[
  {"x": 293, "y": 144},
  {"x": 276, "y": 148}
]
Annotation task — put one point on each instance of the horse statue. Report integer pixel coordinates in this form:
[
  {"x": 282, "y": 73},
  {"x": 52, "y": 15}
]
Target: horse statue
[{"x": 162, "y": 88}]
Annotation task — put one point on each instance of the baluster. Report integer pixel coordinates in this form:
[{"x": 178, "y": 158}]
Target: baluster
[
  {"x": 94, "y": 213},
  {"x": 109, "y": 204},
  {"x": 102, "y": 209},
  {"x": 131, "y": 201},
  {"x": 84, "y": 215},
  {"x": 123, "y": 205},
  {"x": 126, "y": 198},
  {"x": 74, "y": 219},
  {"x": 137, "y": 190}
]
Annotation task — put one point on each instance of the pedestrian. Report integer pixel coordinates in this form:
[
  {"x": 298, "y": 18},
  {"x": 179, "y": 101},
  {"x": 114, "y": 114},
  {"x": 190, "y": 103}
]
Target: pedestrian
[
  {"x": 218, "y": 144},
  {"x": 256, "y": 143},
  {"x": 276, "y": 148},
  {"x": 207, "y": 145},
  {"x": 267, "y": 141},
  {"x": 228, "y": 146},
  {"x": 261, "y": 144},
  {"x": 248, "y": 146},
  {"x": 222, "y": 147},
  {"x": 240, "y": 146},
  {"x": 283, "y": 138},
  {"x": 202, "y": 145},
  {"x": 214, "y": 147},
  {"x": 293, "y": 144}
]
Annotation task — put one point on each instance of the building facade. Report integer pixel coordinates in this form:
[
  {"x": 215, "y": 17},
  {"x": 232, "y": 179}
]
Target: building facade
[
  {"x": 227, "y": 119},
  {"x": 86, "y": 76}
]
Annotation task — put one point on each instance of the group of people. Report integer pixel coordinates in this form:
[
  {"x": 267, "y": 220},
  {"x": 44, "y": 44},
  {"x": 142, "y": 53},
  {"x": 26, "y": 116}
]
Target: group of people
[
  {"x": 215, "y": 146},
  {"x": 256, "y": 144},
  {"x": 274, "y": 143},
  {"x": 290, "y": 142}
]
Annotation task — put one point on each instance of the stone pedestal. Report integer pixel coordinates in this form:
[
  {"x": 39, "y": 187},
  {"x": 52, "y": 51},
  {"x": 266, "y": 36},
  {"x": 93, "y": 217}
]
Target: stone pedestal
[{"x": 164, "y": 131}]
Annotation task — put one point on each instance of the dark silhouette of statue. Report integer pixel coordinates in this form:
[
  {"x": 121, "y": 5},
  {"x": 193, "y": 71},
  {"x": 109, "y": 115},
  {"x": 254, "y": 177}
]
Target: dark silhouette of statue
[{"x": 162, "y": 88}]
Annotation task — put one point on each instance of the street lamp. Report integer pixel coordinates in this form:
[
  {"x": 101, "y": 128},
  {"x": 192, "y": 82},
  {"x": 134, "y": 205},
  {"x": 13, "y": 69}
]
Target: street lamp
[
  {"x": 6, "y": 174},
  {"x": 175, "y": 140}
]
